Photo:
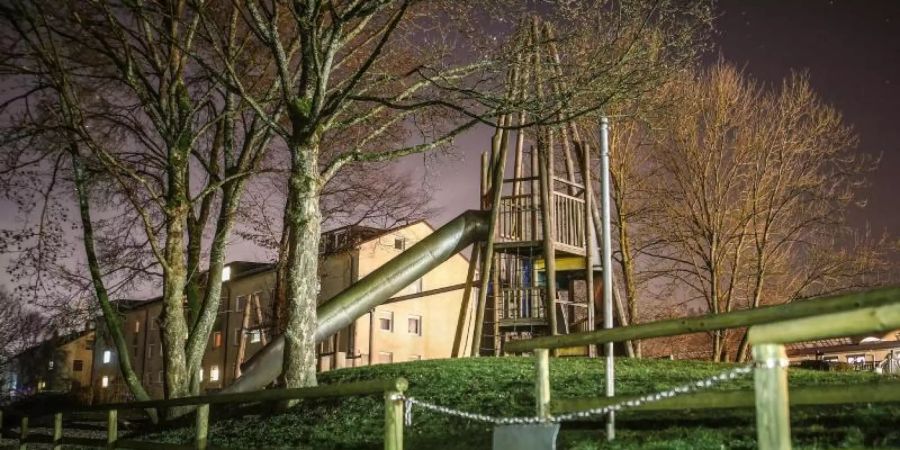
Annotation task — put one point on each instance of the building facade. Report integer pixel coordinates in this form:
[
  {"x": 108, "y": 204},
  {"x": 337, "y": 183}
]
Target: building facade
[
  {"x": 880, "y": 353},
  {"x": 418, "y": 323},
  {"x": 62, "y": 364}
]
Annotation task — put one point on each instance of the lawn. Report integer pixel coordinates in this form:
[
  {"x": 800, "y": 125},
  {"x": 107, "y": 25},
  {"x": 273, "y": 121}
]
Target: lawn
[{"x": 503, "y": 386}]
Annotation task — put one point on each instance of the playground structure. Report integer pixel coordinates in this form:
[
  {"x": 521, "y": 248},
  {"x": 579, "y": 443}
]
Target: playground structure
[
  {"x": 536, "y": 271},
  {"x": 533, "y": 239}
]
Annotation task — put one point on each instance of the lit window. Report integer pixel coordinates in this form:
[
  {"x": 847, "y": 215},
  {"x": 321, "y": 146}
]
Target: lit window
[
  {"x": 400, "y": 244},
  {"x": 386, "y": 321},
  {"x": 77, "y": 365},
  {"x": 50, "y": 365},
  {"x": 385, "y": 357},
  {"x": 42, "y": 385},
  {"x": 255, "y": 336},
  {"x": 107, "y": 356},
  {"x": 414, "y": 325},
  {"x": 137, "y": 326},
  {"x": 217, "y": 339},
  {"x": 104, "y": 382},
  {"x": 201, "y": 374},
  {"x": 214, "y": 373},
  {"x": 226, "y": 273}
]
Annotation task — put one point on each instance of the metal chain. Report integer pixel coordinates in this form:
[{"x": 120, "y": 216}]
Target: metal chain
[{"x": 731, "y": 374}]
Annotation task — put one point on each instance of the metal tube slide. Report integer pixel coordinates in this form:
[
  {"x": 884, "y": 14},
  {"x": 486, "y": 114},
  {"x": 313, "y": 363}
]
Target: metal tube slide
[{"x": 369, "y": 292}]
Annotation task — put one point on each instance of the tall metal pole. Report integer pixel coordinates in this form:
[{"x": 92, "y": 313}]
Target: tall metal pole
[{"x": 607, "y": 271}]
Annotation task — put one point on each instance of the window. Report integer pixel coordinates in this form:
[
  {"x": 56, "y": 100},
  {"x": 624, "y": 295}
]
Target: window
[
  {"x": 104, "y": 382},
  {"x": 42, "y": 385},
  {"x": 214, "y": 373},
  {"x": 89, "y": 344},
  {"x": 400, "y": 244},
  {"x": 151, "y": 349},
  {"x": 255, "y": 336},
  {"x": 217, "y": 339},
  {"x": 137, "y": 326},
  {"x": 414, "y": 325},
  {"x": 240, "y": 302},
  {"x": 201, "y": 374},
  {"x": 77, "y": 365},
  {"x": 50, "y": 365},
  {"x": 386, "y": 321},
  {"x": 385, "y": 357},
  {"x": 154, "y": 323},
  {"x": 226, "y": 273},
  {"x": 107, "y": 356}
]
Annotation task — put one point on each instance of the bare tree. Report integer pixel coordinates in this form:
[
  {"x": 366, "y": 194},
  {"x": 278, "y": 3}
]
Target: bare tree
[
  {"x": 753, "y": 179},
  {"x": 369, "y": 69},
  {"x": 164, "y": 148}
]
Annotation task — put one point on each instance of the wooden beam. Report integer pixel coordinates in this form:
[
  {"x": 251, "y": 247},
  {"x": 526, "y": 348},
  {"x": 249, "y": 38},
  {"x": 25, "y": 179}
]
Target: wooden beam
[
  {"x": 848, "y": 323},
  {"x": 773, "y": 424},
  {"x": 877, "y": 392},
  {"x": 735, "y": 319}
]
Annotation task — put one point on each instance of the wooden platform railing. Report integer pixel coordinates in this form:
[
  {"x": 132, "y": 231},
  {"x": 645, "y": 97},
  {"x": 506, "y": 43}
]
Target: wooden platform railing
[
  {"x": 393, "y": 414},
  {"x": 770, "y": 328}
]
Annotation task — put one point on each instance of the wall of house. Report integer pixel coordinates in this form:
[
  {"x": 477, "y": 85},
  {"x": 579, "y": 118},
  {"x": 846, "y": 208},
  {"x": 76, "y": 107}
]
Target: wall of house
[
  {"x": 422, "y": 328},
  {"x": 58, "y": 365},
  {"x": 437, "y": 315}
]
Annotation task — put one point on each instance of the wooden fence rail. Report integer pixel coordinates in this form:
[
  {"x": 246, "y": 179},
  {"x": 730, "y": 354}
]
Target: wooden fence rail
[
  {"x": 771, "y": 328},
  {"x": 393, "y": 405}
]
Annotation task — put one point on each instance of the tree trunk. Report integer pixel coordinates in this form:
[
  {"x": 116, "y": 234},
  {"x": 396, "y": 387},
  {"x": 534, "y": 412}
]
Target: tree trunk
[
  {"x": 110, "y": 316},
  {"x": 209, "y": 307},
  {"x": 302, "y": 287},
  {"x": 174, "y": 324},
  {"x": 744, "y": 347}
]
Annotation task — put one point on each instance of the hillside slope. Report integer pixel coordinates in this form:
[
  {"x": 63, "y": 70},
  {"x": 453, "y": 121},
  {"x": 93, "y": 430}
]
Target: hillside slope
[{"x": 503, "y": 386}]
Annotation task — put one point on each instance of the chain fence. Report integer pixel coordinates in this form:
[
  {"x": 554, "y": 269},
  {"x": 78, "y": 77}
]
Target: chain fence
[{"x": 728, "y": 375}]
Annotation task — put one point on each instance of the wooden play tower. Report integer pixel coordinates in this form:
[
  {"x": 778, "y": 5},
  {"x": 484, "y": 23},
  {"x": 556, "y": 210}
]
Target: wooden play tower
[{"x": 536, "y": 270}]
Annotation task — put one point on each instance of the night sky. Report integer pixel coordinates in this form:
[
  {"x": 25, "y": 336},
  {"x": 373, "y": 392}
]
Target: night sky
[{"x": 851, "y": 50}]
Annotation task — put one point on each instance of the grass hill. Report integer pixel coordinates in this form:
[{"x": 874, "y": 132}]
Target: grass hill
[{"x": 503, "y": 386}]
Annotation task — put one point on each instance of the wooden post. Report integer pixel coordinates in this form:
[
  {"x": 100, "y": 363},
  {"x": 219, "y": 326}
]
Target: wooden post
[
  {"x": 393, "y": 421},
  {"x": 773, "y": 427},
  {"x": 112, "y": 428},
  {"x": 459, "y": 343},
  {"x": 201, "y": 427},
  {"x": 542, "y": 382},
  {"x": 57, "y": 431},
  {"x": 589, "y": 244},
  {"x": 23, "y": 433},
  {"x": 482, "y": 290},
  {"x": 496, "y": 190}
]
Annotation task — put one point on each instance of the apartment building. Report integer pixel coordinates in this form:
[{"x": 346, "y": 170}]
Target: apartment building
[
  {"x": 418, "y": 323},
  {"x": 60, "y": 364}
]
